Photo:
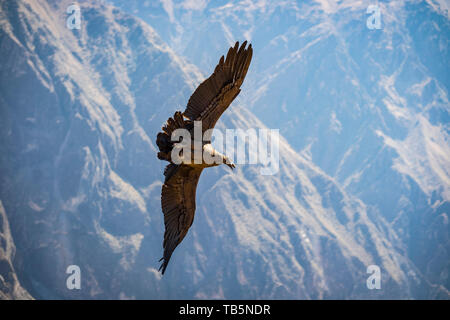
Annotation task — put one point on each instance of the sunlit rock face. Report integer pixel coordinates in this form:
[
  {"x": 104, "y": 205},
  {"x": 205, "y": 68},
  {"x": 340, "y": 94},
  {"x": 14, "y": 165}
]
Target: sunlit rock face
[
  {"x": 10, "y": 287},
  {"x": 367, "y": 102},
  {"x": 362, "y": 171}
]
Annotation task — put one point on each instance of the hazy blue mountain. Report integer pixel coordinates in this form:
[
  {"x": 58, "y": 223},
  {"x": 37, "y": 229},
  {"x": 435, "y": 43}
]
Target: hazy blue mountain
[
  {"x": 10, "y": 287},
  {"x": 80, "y": 181},
  {"x": 368, "y": 107}
]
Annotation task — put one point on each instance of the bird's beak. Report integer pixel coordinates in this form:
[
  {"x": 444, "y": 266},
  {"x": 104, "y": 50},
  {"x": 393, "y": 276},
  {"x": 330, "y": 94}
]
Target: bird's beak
[{"x": 231, "y": 165}]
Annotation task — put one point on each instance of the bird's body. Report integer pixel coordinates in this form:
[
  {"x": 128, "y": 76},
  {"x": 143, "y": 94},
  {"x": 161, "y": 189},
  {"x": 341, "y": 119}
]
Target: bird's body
[
  {"x": 207, "y": 151},
  {"x": 206, "y": 105}
]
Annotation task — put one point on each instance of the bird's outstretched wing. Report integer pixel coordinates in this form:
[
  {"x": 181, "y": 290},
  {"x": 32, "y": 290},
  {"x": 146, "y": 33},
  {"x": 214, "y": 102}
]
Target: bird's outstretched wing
[
  {"x": 178, "y": 206},
  {"x": 215, "y": 94}
]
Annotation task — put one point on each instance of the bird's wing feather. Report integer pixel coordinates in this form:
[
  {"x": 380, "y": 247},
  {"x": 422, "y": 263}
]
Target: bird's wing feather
[
  {"x": 178, "y": 206},
  {"x": 215, "y": 94}
]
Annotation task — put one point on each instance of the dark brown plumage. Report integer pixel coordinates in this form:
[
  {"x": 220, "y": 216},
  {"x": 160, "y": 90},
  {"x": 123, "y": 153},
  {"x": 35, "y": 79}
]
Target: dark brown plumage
[{"x": 211, "y": 98}]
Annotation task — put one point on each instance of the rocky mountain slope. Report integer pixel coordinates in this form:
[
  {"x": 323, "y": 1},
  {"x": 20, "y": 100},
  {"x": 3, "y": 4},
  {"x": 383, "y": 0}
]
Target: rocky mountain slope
[
  {"x": 368, "y": 106},
  {"x": 10, "y": 287},
  {"x": 80, "y": 181}
]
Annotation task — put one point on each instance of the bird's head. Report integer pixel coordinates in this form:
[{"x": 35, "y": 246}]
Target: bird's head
[{"x": 228, "y": 162}]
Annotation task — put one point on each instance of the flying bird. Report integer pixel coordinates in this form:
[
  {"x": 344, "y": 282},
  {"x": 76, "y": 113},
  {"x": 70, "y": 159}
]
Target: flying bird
[{"x": 211, "y": 98}]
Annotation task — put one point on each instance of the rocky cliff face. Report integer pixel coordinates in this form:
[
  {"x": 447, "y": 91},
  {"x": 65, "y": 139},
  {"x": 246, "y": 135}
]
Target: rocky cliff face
[
  {"x": 10, "y": 287},
  {"x": 80, "y": 181},
  {"x": 368, "y": 106}
]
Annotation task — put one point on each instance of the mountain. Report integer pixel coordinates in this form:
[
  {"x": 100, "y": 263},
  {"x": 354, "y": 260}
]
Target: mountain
[
  {"x": 368, "y": 107},
  {"x": 80, "y": 182},
  {"x": 10, "y": 287}
]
